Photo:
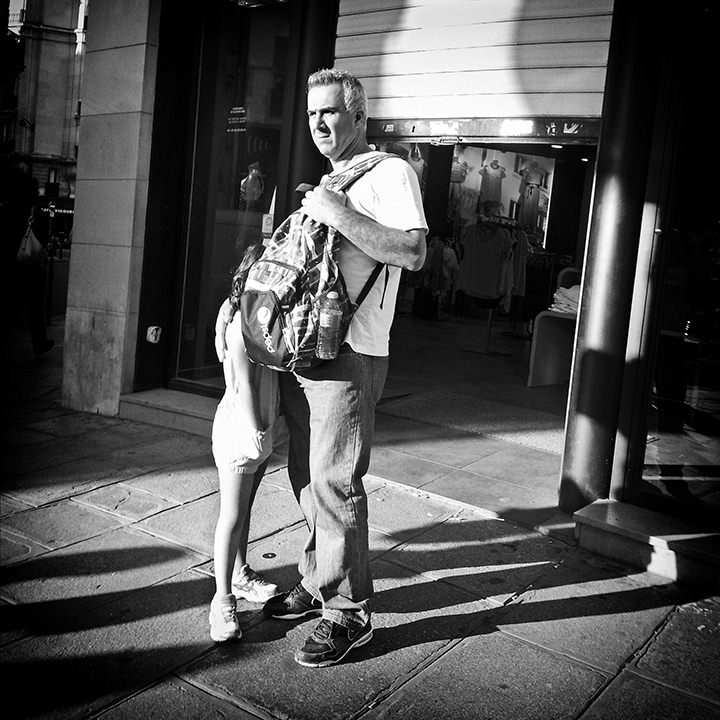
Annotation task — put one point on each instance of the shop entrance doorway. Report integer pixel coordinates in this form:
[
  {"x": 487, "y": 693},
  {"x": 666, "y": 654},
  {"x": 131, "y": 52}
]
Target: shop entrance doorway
[{"x": 507, "y": 227}]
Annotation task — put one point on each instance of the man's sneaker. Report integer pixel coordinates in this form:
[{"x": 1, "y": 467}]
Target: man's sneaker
[
  {"x": 223, "y": 620},
  {"x": 252, "y": 586},
  {"x": 330, "y": 643},
  {"x": 292, "y": 605}
]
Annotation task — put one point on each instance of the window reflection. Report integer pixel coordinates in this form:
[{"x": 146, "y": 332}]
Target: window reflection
[{"x": 234, "y": 166}]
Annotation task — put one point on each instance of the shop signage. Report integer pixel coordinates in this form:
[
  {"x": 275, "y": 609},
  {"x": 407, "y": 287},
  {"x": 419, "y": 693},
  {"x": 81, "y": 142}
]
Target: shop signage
[
  {"x": 237, "y": 120},
  {"x": 565, "y": 130}
]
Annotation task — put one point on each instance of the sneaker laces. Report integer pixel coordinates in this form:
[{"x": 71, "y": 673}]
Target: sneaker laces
[
  {"x": 297, "y": 590},
  {"x": 247, "y": 575},
  {"x": 323, "y": 630},
  {"x": 228, "y": 613}
]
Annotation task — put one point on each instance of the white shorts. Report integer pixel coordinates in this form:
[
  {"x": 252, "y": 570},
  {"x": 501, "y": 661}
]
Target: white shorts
[{"x": 236, "y": 446}]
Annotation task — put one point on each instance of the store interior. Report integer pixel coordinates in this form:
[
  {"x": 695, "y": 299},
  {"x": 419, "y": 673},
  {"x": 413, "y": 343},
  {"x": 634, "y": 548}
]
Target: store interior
[
  {"x": 506, "y": 225},
  {"x": 483, "y": 336}
]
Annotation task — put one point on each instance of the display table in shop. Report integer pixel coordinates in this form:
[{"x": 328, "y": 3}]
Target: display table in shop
[{"x": 552, "y": 348}]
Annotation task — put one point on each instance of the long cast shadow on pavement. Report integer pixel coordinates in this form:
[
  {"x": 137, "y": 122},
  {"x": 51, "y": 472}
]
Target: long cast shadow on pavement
[{"x": 133, "y": 638}]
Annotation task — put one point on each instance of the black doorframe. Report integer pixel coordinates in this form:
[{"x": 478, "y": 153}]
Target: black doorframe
[
  {"x": 683, "y": 99},
  {"x": 180, "y": 46}
]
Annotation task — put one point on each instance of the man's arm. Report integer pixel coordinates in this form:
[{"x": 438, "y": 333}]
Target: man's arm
[{"x": 402, "y": 248}]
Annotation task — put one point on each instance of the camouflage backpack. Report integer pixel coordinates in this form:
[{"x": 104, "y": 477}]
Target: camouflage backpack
[{"x": 279, "y": 305}]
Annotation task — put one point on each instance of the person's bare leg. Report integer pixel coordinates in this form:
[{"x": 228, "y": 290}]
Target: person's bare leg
[{"x": 237, "y": 491}]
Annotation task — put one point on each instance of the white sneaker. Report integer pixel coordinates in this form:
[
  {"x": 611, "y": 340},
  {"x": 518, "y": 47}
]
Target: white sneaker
[
  {"x": 252, "y": 586},
  {"x": 224, "y": 624}
]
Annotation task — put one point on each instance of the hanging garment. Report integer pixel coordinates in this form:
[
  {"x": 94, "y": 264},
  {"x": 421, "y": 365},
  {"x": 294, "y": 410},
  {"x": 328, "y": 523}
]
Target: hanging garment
[
  {"x": 528, "y": 210},
  {"x": 521, "y": 249},
  {"x": 492, "y": 177},
  {"x": 487, "y": 252}
]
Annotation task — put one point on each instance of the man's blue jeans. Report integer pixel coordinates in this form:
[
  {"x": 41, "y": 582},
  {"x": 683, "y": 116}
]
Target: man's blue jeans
[{"x": 330, "y": 413}]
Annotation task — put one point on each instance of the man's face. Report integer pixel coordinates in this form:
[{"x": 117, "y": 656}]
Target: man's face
[{"x": 332, "y": 127}]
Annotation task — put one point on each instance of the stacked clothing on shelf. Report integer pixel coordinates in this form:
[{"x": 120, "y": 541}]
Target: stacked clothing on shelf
[{"x": 565, "y": 300}]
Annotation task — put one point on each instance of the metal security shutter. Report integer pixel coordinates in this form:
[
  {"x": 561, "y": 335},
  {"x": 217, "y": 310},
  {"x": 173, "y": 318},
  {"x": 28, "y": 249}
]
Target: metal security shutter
[{"x": 477, "y": 58}]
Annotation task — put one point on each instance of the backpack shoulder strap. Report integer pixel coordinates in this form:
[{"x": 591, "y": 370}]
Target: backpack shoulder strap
[
  {"x": 369, "y": 283},
  {"x": 344, "y": 180}
]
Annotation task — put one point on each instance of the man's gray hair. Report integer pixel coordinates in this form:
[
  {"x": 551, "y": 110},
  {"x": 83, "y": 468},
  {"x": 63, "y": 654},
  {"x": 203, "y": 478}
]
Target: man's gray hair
[{"x": 353, "y": 91}]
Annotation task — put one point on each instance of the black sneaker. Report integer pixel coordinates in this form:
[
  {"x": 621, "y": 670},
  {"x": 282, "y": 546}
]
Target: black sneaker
[
  {"x": 330, "y": 643},
  {"x": 292, "y": 605}
]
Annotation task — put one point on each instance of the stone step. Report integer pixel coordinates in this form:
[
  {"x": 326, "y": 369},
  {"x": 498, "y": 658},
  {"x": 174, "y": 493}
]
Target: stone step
[
  {"x": 687, "y": 552},
  {"x": 171, "y": 409}
]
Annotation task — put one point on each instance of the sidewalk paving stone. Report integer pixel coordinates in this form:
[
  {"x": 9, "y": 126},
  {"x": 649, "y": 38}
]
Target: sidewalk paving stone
[
  {"x": 193, "y": 524},
  {"x": 60, "y": 449},
  {"x": 505, "y": 499},
  {"x": 16, "y": 438},
  {"x": 9, "y": 505},
  {"x": 101, "y": 467},
  {"x": 70, "y": 424},
  {"x": 631, "y": 697},
  {"x": 403, "y": 468},
  {"x": 15, "y": 548},
  {"x": 59, "y": 524},
  {"x": 403, "y": 512},
  {"x": 75, "y": 579},
  {"x": 527, "y": 467},
  {"x": 432, "y": 443},
  {"x": 491, "y": 558},
  {"x": 124, "y": 501},
  {"x": 175, "y": 699},
  {"x": 492, "y": 676},
  {"x": 180, "y": 482},
  {"x": 92, "y": 660},
  {"x": 685, "y": 653},
  {"x": 591, "y": 609}
]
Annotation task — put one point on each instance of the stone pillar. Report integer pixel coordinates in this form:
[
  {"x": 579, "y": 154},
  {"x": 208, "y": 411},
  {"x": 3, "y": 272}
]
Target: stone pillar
[
  {"x": 118, "y": 89},
  {"x": 629, "y": 108}
]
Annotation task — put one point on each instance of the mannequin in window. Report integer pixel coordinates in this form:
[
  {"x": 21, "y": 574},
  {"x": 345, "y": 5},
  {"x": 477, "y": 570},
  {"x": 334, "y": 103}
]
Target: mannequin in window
[
  {"x": 492, "y": 177},
  {"x": 251, "y": 188},
  {"x": 532, "y": 180}
]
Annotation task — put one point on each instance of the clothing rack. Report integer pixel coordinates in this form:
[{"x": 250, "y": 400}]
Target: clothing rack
[
  {"x": 497, "y": 220},
  {"x": 494, "y": 221}
]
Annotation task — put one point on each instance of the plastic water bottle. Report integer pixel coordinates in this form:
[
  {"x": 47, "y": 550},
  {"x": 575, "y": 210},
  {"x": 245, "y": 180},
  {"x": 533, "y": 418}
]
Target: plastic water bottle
[{"x": 328, "y": 341}]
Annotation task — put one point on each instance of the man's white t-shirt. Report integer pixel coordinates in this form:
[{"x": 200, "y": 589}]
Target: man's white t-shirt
[{"x": 390, "y": 194}]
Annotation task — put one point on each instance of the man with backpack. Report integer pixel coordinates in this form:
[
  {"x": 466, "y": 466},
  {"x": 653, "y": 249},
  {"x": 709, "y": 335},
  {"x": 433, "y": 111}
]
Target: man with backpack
[{"x": 330, "y": 407}]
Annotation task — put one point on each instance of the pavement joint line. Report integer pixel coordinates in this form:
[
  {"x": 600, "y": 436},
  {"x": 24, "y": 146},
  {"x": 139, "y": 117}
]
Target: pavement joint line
[
  {"x": 490, "y": 514},
  {"x": 396, "y": 686},
  {"x": 570, "y": 657},
  {"x": 172, "y": 541},
  {"x": 444, "y": 581},
  {"x": 17, "y": 534},
  {"x": 703, "y": 699},
  {"x": 213, "y": 691},
  {"x": 284, "y": 530},
  {"x": 460, "y": 504}
]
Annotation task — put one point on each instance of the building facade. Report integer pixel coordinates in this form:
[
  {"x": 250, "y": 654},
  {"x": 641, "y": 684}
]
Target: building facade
[{"x": 193, "y": 140}]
